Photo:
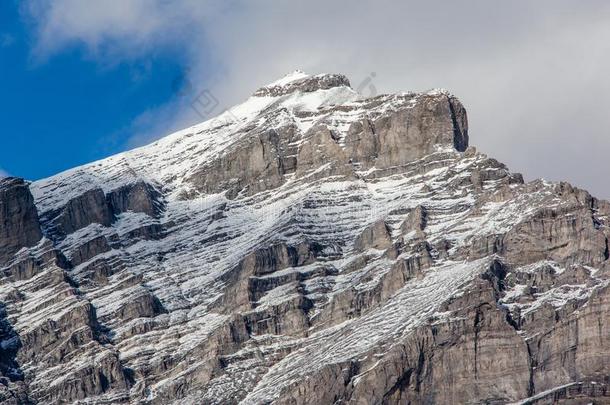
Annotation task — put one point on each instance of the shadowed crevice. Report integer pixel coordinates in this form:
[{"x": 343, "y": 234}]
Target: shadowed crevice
[{"x": 460, "y": 126}]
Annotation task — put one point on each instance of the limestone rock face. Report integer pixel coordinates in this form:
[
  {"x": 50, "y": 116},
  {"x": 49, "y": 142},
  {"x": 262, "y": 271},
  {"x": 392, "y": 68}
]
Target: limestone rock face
[
  {"x": 253, "y": 165},
  {"x": 309, "y": 246},
  {"x": 138, "y": 197},
  {"x": 434, "y": 121},
  {"x": 375, "y": 236},
  {"x": 83, "y": 210},
  {"x": 19, "y": 225}
]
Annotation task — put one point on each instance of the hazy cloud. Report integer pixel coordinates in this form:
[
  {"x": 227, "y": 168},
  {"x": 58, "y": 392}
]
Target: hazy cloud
[{"x": 533, "y": 75}]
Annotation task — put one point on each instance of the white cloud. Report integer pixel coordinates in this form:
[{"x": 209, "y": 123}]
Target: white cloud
[
  {"x": 531, "y": 74},
  {"x": 112, "y": 31}
]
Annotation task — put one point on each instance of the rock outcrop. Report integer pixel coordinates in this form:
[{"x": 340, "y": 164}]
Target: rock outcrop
[
  {"x": 300, "y": 82},
  {"x": 19, "y": 226},
  {"x": 310, "y": 246}
]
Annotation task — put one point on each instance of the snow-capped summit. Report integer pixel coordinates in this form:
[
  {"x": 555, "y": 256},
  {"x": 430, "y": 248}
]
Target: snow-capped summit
[
  {"x": 289, "y": 77},
  {"x": 308, "y": 246},
  {"x": 302, "y": 82}
]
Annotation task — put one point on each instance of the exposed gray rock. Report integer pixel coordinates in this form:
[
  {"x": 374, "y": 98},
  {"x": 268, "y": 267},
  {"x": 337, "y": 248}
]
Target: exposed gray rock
[
  {"x": 142, "y": 304},
  {"x": 27, "y": 264},
  {"x": 138, "y": 197},
  {"x": 375, "y": 236},
  {"x": 416, "y": 221},
  {"x": 256, "y": 164},
  {"x": 89, "y": 250},
  {"x": 410, "y": 133},
  {"x": 418, "y": 259},
  {"x": 19, "y": 226},
  {"x": 321, "y": 156},
  {"x": 88, "y": 208}
]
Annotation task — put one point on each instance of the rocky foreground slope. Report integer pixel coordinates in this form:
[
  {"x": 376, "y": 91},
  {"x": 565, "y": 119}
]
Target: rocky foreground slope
[{"x": 309, "y": 246}]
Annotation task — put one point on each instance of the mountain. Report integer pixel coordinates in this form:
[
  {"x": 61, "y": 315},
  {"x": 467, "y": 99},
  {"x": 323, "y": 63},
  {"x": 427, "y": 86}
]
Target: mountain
[{"x": 309, "y": 246}]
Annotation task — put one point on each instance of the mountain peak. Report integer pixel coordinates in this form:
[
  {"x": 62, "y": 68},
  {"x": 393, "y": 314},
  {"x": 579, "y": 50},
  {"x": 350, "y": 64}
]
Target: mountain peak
[
  {"x": 301, "y": 81},
  {"x": 306, "y": 245},
  {"x": 296, "y": 74}
]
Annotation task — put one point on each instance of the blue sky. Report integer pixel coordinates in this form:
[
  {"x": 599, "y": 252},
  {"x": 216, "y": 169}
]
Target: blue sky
[
  {"x": 66, "y": 109},
  {"x": 81, "y": 80}
]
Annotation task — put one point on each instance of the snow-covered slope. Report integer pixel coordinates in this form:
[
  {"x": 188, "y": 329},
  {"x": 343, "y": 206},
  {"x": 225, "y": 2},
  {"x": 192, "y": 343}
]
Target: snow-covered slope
[{"x": 307, "y": 246}]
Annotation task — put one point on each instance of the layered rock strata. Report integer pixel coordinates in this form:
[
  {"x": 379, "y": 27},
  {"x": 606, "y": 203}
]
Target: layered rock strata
[{"x": 309, "y": 246}]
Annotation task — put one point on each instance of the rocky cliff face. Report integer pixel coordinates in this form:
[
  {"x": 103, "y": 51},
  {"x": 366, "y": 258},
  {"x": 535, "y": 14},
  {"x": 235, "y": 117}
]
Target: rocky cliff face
[
  {"x": 309, "y": 246},
  {"x": 19, "y": 226}
]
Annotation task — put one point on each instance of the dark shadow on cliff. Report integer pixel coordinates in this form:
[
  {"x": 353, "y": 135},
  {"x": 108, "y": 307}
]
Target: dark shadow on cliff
[{"x": 10, "y": 343}]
